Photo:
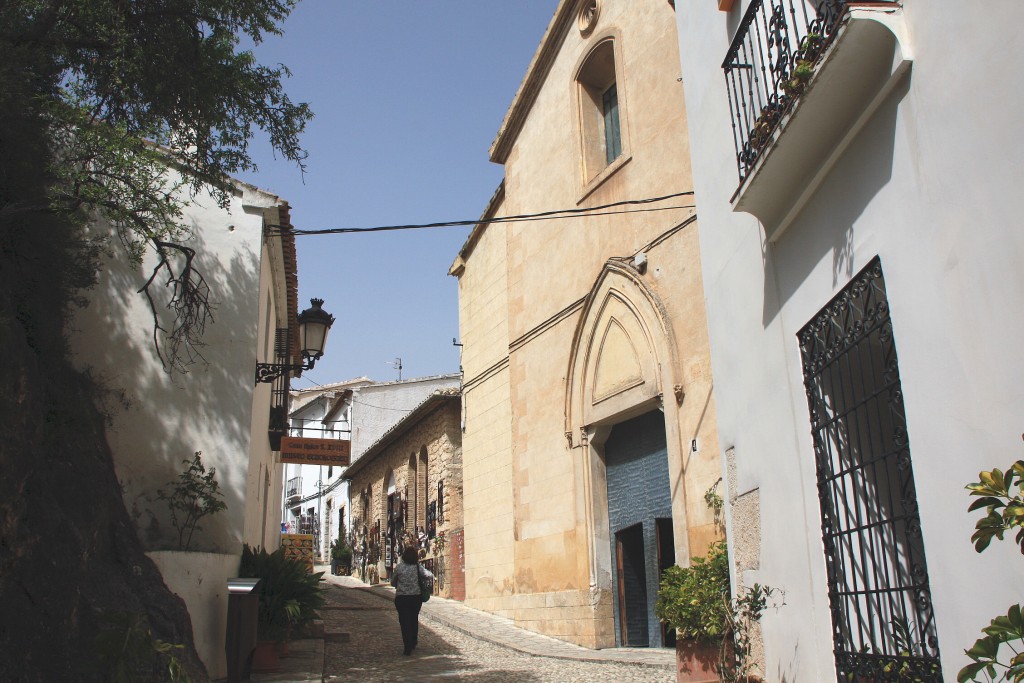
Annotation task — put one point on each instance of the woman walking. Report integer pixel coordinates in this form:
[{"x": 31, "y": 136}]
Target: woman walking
[{"x": 406, "y": 580}]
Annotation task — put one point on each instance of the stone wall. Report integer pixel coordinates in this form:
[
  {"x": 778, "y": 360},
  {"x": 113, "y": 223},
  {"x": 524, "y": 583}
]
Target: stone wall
[
  {"x": 439, "y": 434},
  {"x": 564, "y": 337}
]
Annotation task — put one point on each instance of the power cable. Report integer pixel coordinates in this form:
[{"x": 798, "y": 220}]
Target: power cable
[{"x": 545, "y": 215}]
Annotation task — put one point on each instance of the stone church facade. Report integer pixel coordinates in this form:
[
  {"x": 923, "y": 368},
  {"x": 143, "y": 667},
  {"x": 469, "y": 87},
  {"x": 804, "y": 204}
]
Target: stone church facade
[{"x": 589, "y": 422}]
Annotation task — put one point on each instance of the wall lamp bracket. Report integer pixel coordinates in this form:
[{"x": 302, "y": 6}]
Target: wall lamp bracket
[{"x": 314, "y": 324}]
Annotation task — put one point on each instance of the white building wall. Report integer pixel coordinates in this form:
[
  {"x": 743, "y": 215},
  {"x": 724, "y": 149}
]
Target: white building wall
[
  {"x": 928, "y": 185},
  {"x": 160, "y": 419},
  {"x": 378, "y": 407}
]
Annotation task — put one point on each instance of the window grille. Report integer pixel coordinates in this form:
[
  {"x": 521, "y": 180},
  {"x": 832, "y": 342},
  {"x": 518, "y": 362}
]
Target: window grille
[
  {"x": 279, "y": 392},
  {"x": 882, "y": 618}
]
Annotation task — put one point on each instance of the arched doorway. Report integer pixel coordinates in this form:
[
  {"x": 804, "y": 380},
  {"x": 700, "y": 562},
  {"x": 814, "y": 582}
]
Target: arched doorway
[{"x": 622, "y": 409}]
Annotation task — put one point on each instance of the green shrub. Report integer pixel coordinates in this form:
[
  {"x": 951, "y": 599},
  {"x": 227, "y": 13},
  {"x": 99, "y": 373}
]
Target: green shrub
[
  {"x": 695, "y": 600},
  {"x": 289, "y": 595},
  {"x": 341, "y": 552},
  {"x": 196, "y": 494},
  {"x": 1001, "y": 495}
]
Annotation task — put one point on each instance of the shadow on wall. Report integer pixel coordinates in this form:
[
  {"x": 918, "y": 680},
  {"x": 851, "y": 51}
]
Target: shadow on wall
[
  {"x": 827, "y": 222},
  {"x": 160, "y": 419}
]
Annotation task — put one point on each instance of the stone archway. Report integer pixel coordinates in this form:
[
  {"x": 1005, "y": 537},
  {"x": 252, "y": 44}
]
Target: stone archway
[{"x": 623, "y": 364}]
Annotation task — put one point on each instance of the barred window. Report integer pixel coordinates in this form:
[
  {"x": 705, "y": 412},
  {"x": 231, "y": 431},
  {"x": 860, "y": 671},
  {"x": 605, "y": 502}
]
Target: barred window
[{"x": 882, "y": 617}]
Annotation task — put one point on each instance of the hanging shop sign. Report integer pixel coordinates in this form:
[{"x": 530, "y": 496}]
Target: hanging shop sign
[{"x": 305, "y": 451}]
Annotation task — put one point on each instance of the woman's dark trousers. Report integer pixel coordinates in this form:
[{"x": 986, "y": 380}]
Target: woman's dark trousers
[{"x": 408, "y": 607}]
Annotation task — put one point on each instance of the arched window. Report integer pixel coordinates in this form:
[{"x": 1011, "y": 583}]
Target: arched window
[{"x": 601, "y": 114}]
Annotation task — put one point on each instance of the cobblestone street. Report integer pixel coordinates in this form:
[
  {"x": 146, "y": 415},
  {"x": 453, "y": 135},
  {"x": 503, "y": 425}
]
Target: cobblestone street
[{"x": 373, "y": 651}]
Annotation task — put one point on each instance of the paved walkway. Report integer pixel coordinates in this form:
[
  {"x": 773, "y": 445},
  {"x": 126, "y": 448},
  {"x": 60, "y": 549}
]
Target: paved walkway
[{"x": 475, "y": 623}]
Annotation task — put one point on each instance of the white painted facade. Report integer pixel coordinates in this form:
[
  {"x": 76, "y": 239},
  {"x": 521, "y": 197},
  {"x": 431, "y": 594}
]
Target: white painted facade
[
  {"x": 324, "y": 412},
  {"x": 159, "y": 419},
  {"x": 359, "y": 410},
  {"x": 922, "y": 170},
  {"x": 378, "y": 407}
]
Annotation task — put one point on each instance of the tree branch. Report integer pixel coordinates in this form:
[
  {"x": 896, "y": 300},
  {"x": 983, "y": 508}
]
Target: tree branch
[{"x": 190, "y": 302}]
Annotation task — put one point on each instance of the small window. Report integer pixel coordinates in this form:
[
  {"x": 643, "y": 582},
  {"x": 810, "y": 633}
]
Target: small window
[{"x": 600, "y": 115}]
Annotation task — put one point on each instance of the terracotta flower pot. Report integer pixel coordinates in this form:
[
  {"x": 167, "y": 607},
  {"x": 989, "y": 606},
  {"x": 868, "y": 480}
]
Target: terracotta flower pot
[
  {"x": 696, "y": 662},
  {"x": 265, "y": 656}
]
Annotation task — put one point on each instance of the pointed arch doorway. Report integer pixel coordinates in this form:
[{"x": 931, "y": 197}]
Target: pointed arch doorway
[{"x": 622, "y": 402}]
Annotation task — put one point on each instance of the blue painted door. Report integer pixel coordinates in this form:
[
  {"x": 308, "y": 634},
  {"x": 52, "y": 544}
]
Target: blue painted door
[{"x": 639, "y": 516}]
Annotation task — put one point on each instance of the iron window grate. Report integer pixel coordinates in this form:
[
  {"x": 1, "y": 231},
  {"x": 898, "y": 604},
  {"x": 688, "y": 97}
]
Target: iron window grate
[{"x": 879, "y": 595}]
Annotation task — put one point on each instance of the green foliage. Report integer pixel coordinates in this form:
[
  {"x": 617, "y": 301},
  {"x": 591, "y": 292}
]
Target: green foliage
[
  {"x": 694, "y": 600},
  {"x": 121, "y": 111},
  {"x": 1002, "y": 630},
  {"x": 745, "y": 611},
  {"x": 715, "y": 503},
  {"x": 289, "y": 595},
  {"x": 195, "y": 495},
  {"x": 170, "y": 71},
  {"x": 1005, "y": 509},
  {"x": 341, "y": 551},
  {"x": 1004, "y": 512},
  {"x": 127, "y": 650}
]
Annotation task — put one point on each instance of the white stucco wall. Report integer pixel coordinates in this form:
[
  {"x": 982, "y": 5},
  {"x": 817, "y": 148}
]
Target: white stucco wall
[
  {"x": 929, "y": 185},
  {"x": 159, "y": 419},
  {"x": 200, "y": 579},
  {"x": 378, "y": 407}
]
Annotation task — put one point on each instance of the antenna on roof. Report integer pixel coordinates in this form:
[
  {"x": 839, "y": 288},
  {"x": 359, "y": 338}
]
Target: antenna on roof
[{"x": 397, "y": 365}]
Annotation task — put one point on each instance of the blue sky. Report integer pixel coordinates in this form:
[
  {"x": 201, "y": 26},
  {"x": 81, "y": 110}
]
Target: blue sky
[{"x": 408, "y": 96}]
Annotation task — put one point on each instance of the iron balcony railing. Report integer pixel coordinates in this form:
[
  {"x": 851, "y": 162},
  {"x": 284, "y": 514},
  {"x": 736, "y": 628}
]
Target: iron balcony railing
[
  {"x": 771, "y": 59},
  {"x": 294, "y": 487}
]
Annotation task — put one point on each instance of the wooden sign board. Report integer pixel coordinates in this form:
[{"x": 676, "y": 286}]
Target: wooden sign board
[{"x": 305, "y": 451}]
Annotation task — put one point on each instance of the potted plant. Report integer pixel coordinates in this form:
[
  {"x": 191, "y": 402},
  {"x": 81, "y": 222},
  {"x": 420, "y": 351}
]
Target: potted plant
[
  {"x": 695, "y": 601},
  {"x": 341, "y": 557},
  {"x": 797, "y": 81},
  {"x": 289, "y": 599},
  {"x": 810, "y": 46},
  {"x": 714, "y": 631}
]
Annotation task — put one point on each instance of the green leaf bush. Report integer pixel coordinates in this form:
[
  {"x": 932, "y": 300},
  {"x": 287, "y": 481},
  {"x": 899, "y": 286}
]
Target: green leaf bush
[
  {"x": 290, "y": 596},
  {"x": 195, "y": 495},
  {"x": 695, "y": 600},
  {"x": 1001, "y": 495}
]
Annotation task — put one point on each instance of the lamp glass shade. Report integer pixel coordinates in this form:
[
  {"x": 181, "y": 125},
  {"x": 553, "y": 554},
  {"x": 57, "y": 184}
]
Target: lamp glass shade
[
  {"x": 314, "y": 323},
  {"x": 313, "y": 338}
]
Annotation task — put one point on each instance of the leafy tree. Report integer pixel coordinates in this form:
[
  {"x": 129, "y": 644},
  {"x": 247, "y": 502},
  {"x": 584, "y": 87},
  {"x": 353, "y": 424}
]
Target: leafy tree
[
  {"x": 113, "y": 110},
  {"x": 132, "y": 102}
]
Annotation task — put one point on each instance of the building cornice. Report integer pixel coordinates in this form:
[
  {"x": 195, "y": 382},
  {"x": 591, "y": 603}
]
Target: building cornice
[
  {"x": 459, "y": 266},
  {"x": 291, "y": 279},
  {"x": 550, "y": 45}
]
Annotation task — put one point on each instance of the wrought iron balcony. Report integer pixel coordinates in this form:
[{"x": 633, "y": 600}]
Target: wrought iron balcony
[
  {"x": 803, "y": 78},
  {"x": 293, "y": 488},
  {"x": 773, "y": 55}
]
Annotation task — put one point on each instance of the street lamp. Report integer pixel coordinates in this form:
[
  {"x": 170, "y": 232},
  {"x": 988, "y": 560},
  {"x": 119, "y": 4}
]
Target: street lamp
[{"x": 314, "y": 324}]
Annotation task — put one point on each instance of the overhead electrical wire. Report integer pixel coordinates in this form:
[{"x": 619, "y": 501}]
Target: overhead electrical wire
[{"x": 546, "y": 215}]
